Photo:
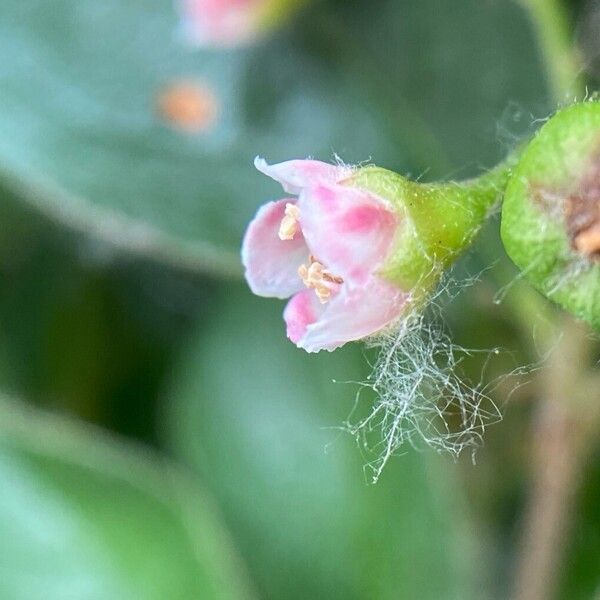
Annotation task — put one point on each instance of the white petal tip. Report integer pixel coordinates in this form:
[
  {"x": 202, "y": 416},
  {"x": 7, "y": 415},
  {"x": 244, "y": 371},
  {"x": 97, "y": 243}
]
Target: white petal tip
[{"x": 260, "y": 163}]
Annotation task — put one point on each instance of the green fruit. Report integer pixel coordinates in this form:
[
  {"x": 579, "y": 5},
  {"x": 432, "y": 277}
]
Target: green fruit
[{"x": 551, "y": 211}]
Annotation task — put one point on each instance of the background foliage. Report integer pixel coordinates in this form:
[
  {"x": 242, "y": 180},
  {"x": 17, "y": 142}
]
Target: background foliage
[{"x": 121, "y": 308}]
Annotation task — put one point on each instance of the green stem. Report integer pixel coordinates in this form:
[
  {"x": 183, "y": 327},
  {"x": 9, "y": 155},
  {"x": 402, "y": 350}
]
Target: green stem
[
  {"x": 553, "y": 31},
  {"x": 559, "y": 447}
]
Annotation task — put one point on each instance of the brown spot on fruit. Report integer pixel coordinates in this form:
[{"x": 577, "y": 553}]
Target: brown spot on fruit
[
  {"x": 578, "y": 206},
  {"x": 189, "y": 106},
  {"x": 582, "y": 211}
]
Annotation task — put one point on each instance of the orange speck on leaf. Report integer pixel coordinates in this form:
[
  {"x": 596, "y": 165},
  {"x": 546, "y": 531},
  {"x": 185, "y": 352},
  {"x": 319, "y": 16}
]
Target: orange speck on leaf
[{"x": 189, "y": 106}]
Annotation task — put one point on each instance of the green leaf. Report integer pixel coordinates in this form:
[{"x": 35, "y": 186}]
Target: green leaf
[
  {"x": 259, "y": 421},
  {"x": 413, "y": 86},
  {"x": 85, "y": 517}
]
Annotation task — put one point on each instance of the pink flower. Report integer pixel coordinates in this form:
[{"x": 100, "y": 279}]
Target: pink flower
[
  {"x": 324, "y": 249},
  {"x": 222, "y": 23}
]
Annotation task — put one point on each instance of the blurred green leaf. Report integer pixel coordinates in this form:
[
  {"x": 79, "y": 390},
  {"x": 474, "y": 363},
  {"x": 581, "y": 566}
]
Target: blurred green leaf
[
  {"x": 83, "y": 517},
  {"x": 258, "y": 417},
  {"x": 581, "y": 568},
  {"x": 412, "y": 85}
]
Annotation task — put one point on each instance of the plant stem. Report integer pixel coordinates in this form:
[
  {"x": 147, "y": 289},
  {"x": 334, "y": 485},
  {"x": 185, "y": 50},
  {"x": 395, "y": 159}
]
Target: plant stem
[
  {"x": 562, "y": 62},
  {"x": 559, "y": 442},
  {"x": 565, "y": 422}
]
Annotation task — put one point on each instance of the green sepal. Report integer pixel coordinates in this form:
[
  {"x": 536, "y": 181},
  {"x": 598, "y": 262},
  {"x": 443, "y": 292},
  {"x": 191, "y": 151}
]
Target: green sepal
[
  {"x": 560, "y": 165},
  {"x": 437, "y": 221}
]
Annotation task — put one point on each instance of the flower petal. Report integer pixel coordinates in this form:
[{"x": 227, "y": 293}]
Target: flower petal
[
  {"x": 294, "y": 175},
  {"x": 301, "y": 311},
  {"x": 353, "y": 314},
  {"x": 350, "y": 231},
  {"x": 272, "y": 264}
]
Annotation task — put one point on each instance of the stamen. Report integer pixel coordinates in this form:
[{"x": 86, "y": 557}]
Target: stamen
[
  {"x": 289, "y": 224},
  {"x": 315, "y": 275}
]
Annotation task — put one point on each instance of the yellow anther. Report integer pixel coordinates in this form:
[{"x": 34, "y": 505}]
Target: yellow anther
[
  {"x": 317, "y": 277},
  {"x": 289, "y": 224}
]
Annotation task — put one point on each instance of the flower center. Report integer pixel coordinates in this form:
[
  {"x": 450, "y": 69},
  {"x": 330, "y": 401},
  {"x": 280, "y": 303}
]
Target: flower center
[
  {"x": 289, "y": 224},
  {"x": 317, "y": 277}
]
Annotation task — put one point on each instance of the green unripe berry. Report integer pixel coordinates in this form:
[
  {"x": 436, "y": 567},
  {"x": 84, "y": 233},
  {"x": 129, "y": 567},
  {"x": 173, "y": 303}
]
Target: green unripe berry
[{"x": 551, "y": 211}]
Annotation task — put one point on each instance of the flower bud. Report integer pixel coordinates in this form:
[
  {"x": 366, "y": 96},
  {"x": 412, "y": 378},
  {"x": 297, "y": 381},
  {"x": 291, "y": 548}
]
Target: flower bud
[
  {"x": 357, "y": 247},
  {"x": 551, "y": 212}
]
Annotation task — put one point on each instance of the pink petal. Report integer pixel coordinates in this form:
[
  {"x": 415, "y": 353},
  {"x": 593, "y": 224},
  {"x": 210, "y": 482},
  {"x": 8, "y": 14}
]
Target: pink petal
[
  {"x": 350, "y": 231},
  {"x": 351, "y": 315},
  {"x": 301, "y": 311},
  {"x": 294, "y": 175},
  {"x": 272, "y": 264}
]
